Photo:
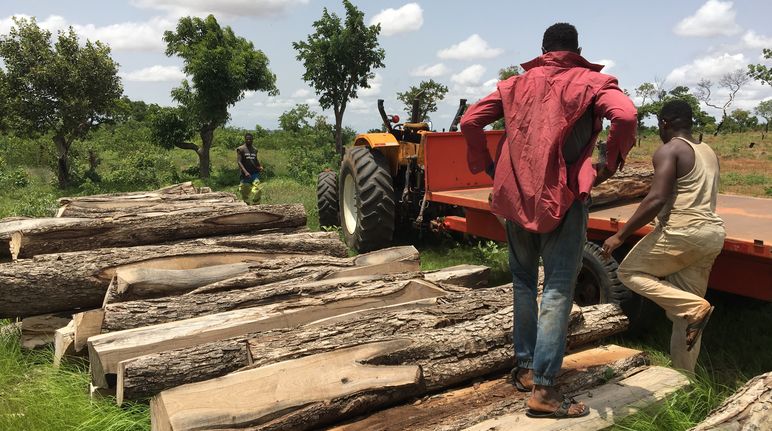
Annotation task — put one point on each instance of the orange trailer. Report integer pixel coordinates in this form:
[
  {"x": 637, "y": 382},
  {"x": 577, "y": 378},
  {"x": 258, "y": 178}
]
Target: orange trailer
[{"x": 744, "y": 267}]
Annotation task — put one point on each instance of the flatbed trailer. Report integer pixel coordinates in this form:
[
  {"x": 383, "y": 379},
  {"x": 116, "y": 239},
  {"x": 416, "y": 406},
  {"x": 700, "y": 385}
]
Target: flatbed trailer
[{"x": 744, "y": 266}]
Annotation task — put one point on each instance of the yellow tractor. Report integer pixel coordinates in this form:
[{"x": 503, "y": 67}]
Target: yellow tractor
[{"x": 380, "y": 184}]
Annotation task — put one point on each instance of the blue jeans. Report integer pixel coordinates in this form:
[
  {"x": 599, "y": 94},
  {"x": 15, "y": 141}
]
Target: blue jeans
[{"x": 540, "y": 341}]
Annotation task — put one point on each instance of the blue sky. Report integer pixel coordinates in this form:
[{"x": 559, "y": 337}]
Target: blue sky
[{"x": 461, "y": 44}]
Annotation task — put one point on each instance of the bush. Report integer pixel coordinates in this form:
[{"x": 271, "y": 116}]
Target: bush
[
  {"x": 142, "y": 170},
  {"x": 12, "y": 178}
]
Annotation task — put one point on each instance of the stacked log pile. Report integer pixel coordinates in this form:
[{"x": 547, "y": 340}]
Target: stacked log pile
[{"x": 224, "y": 316}]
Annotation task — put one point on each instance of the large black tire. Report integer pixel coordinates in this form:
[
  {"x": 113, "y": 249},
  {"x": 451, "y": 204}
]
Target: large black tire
[
  {"x": 598, "y": 284},
  {"x": 366, "y": 193},
  {"x": 327, "y": 198}
]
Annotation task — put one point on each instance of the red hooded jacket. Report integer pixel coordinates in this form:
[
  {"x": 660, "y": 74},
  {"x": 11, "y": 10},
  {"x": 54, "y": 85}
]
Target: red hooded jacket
[{"x": 533, "y": 185}]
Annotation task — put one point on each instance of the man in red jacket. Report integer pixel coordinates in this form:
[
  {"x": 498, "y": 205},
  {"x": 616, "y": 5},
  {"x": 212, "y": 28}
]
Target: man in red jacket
[{"x": 542, "y": 177}]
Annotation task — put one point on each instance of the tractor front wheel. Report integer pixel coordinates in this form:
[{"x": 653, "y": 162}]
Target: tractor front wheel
[{"x": 367, "y": 199}]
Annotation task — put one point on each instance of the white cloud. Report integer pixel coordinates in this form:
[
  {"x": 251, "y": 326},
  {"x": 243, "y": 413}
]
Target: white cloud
[
  {"x": 753, "y": 40},
  {"x": 409, "y": 17},
  {"x": 709, "y": 67},
  {"x": 714, "y": 18},
  {"x": 301, "y": 92},
  {"x": 472, "y": 75},
  {"x": 608, "y": 63},
  {"x": 472, "y": 48},
  {"x": 433, "y": 71},
  {"x": 375, "y": 87},
  {"x": 129, "y": 36},
  {"x": 311, "y": 101},
  {"x": 260, "y": 8},
  {"x": 52, "y": 23},
  {"x": 155, "y": 74}
]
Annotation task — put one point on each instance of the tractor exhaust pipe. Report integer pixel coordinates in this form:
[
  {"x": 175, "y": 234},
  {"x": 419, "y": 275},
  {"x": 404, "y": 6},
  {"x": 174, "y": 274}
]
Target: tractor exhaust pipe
[
  {"x": 384, "y": 117},
  {"x": 457, "y": 118}
]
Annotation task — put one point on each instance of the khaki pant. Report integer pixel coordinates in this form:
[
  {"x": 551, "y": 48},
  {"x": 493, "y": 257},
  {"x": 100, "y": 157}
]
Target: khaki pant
[{"x": 671, "y": 268}]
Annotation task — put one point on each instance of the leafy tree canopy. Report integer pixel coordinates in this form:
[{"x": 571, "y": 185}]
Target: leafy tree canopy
[
  {"x": 759, "y": 71},
  {"x": 58, "y": 86},
  {"x": 428, "y": 93},
  {"x": 339, "y": 58}
]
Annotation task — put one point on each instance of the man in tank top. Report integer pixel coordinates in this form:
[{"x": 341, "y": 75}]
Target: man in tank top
[{"x": 671, "y": 265}]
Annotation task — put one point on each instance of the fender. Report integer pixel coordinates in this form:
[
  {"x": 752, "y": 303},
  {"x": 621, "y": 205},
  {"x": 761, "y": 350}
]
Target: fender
[{"x": 385, "y": 143}]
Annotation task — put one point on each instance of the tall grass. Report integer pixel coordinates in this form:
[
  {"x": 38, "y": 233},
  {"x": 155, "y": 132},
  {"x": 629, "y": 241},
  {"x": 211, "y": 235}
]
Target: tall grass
[{"x": 35, "y": 396}]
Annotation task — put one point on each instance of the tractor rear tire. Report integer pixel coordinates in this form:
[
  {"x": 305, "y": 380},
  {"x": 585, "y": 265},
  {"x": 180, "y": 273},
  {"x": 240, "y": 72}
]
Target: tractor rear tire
[
  {"x": 598, "y": 284},
  {"x": 366, "y": 193},
  {"x": 327, "y": 199}
]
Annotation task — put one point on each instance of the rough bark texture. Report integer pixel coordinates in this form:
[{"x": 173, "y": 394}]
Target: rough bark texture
[
  {"x": 88, "y": 234},
  {"x": 142, "y": 282},
  {"x": 150, "y": 374},
  {"x": 107, "y": 350},
  {"x": 117, "y": 207},
  {"x": 290, "y": 293},
  {"x": 749, "y": 408},
  {"x": 631, "y": 183},
  {"x": 186, "y": 188},
  {"x": 460, "y": 408},
  {"x": 65, "y": 281}
]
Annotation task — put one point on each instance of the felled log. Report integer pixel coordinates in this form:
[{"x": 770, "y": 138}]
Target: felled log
[
  {"x": 631, "y": 183},
  {"x": 749, "y": 408},
  {"x": 445, "y": 357},
  {"x": 471, "y": 276},
  {"x": 142, "y": 281},
  {"x": 107, "y": 350},
  {"x": 149, "y": 374},
  {"x": 322, "y": 387},
  {"x": 66, "y": 281},
  {"x": 39, "y": 331},
  {"x": 75, "y": 234},
  {"x": 450, "y": 410},
  {"x": 122, "y": 207},
  {"x": 186, "y": 188}
]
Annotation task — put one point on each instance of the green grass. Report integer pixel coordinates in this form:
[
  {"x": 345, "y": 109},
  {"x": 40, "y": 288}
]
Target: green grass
[{"x": 36, "y": 396}]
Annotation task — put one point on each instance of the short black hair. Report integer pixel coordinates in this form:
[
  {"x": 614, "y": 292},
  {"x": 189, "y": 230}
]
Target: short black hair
[
  {"x": 677, "y": 112},
  {"x": 248, "y": 134},
  {"x": 560, "y": 37}
]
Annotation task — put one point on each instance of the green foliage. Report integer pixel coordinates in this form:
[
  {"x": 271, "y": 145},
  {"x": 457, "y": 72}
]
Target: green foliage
[
  {"x": 12, "y": 178},
  {"x": 222, "y": 67},
  {"x": 428, "y": 94},
  {"x": 339, "y": 58},
  {"x": 764, "y": 110},
  {"x": 702, "y": 119},
  {"x": 740, "y": 120},
  {"x": 297, "y": 118},
  {"x": 761, "y": 72},
  {"x": 142, "y": 171},
  {"x": 61, "y": 87},
  {"x": 509, "y": 72},
  {"x": 171, "y": 128}
]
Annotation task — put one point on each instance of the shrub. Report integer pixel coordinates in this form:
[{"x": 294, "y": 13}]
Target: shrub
[
  {"x": 142, "y": 170},
  {"x": 12, "y": 177}
]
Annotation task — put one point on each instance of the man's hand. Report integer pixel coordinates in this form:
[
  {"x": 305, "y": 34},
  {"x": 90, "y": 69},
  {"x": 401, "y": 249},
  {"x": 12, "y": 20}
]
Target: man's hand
[
  {"x": 602, "y": 174},
  {"x": 611, "y": 244}
]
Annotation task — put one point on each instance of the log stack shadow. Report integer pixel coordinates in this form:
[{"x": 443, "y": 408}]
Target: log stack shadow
[{"x": 269, "y": 326}]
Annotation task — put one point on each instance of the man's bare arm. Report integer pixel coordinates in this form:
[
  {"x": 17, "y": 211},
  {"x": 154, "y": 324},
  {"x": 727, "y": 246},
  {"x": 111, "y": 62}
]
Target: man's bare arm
[{"x": 238, "y": 160}]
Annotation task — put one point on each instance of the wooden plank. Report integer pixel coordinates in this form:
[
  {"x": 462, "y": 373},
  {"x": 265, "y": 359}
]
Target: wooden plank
[
  {"x": 608, "y": 403},
  {"x": 107, "y": 350},
  {"x": 471, "y": 276},
  {"x": 85, "y": 325},
  {"x": 314, "y": 387},
  {"x": 64, "y": 343},
  {"x": 466, "y": 406},
  {"x": 38, "y": 331}
]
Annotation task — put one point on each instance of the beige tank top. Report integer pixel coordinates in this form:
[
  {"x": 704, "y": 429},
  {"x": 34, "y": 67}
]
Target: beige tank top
[{"x": 693, "y": 202}]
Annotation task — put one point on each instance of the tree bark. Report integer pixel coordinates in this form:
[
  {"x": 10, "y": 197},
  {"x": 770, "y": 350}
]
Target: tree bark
[
  {"x": 179, "y": 189},
  {"x": 138, "y": 282},
  {"x": 62, "y": 162},
  {"x": 121, "y": 207},
  {"x": 749, "y": 408},
  {"x": 107, "y": 350},
  {"x": 444, "y": 356},
  {"x": 631, "y": 183},
  {"x": 67, "y": 281},
  {"x": 207, "y": 135},
  {"x": 147, "y": 375},
  {"x": 88, "y": 234},
  {"x": 338, "y": 130}
]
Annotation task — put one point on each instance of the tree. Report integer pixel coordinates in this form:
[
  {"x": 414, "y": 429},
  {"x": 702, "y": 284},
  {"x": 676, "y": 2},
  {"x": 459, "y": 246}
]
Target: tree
[
  {"x": 740, "y": 120},
  {"x": 297, "y": 118},
  {"x": 62, "y": 88},
  {"x": 759, "y": 71},
  {"x": 221, "y": 67},
  {"x": 170, "y": 128},
  {"x": 764, "y": 110},
  {"x": 339, "y": 58},
  {"x": 428, "y": 94},
  {"x": 505, "y": 73},
  {"x": 732, "y": 81}
]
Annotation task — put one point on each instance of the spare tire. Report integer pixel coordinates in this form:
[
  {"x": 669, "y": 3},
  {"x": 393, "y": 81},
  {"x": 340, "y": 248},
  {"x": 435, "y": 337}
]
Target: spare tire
[
  {"x": 366, "y": 192},
  {"x": 597, "y": 283},
  {"x": 327, "y": 198}
]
